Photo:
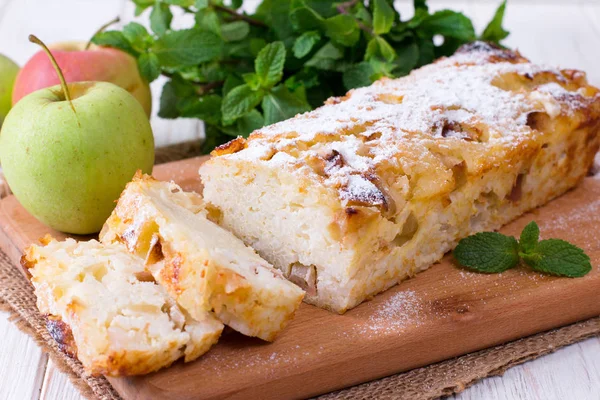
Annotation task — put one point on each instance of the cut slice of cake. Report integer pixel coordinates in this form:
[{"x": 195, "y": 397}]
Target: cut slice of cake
[
  {"x": 375, "y": 186},
  {"x": 203, "y": 266},
  {"x": 105, "y": 309}
]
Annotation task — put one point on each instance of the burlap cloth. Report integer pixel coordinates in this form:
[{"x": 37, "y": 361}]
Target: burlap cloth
[{"x": 430, "y": 382}]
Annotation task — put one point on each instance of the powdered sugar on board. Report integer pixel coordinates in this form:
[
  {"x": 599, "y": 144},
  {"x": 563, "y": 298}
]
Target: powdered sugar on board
[{"x": 400, "y": 311}]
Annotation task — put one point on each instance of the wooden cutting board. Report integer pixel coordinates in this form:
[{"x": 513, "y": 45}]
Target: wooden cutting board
[{"x": 443, "y": 312}]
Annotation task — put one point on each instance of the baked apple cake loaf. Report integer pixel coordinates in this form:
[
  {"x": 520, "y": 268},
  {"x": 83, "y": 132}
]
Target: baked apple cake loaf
[
  {"x": 203, "y": 267},
  {"x": 103, "y": 308},
  {"x": 375, "y": 186}
]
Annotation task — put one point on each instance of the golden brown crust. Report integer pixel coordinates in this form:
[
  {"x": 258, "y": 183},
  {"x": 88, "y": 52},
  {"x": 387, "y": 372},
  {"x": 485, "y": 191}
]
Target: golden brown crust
[
  {"x": 62, "y": 334},
  {"x": 233, "y": 146}
]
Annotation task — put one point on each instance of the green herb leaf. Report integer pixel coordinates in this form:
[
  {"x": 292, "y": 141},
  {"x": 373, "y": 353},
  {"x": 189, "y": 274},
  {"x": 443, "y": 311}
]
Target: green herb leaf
[
  {"x": 245, "y": 125},
  {"x": 149, "y": 66},
  {"x": 358, "y": 75},
  {"x": 449, "y": 23},
  {"x": 494, "y": 32},
  {"x": 269, "y": 64},
  {"x": 238, "y": 102},
  {"x": 160, "y": 18},
  {"x": 231, "y": 82},
  {"x": 187, "y": 47},
  {"x": 168, "y": 102},
  {"x": 420, "y": 4},
  {"x": 252, "y": 80},
  {"x": 379, "y": 47},
  {"x": 303, "y": 17},
  {"x": 383, "y": 17},
  {"x": 305, "y": 42},
  {"x": 201, "y": 4},
  {"x": 326, "y": 57},
  {"x": 114, "y": 39},
  {"x": 235, "y": 31},
  {"x": 488, "y": 252},
  {"x": 280, "y": 104},
  {"x": 137, "y": 36},
  {"x": 142, "y": 5},
  {"x": 529, "y": 238},
  {"x": 558, "y": 257},
  {"x": 206, "y": 108},
  {"x": 342, "y": 29},
  {"x": 208, "y": 20},
  {"x": 407, "y": 59}
]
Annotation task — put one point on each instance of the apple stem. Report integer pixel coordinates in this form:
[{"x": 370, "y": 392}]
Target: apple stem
[
  {"x": 101, "y": 29},
  {"x": 61, "y": 77}
]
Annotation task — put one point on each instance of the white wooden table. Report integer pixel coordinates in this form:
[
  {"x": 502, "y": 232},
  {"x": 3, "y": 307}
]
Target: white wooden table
[{"x": 565, "y": 33}]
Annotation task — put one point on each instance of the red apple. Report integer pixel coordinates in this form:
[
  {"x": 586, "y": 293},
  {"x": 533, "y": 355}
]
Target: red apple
[{"x": 94, "y": 64}]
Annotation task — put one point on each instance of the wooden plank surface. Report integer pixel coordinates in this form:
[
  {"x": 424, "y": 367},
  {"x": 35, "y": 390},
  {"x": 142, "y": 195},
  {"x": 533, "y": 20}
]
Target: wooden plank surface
[
  {"x": 441, "y": 313},
  {"x": 559, "y": 32}
]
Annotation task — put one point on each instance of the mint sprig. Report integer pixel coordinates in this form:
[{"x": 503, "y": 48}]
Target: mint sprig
[
  {"x": 239, "y": 71},
  {"x": 493, "y": 252}
]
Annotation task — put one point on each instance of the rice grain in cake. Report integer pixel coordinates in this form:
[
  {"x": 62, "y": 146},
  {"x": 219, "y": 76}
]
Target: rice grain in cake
[{"x": 375, "y": 186}]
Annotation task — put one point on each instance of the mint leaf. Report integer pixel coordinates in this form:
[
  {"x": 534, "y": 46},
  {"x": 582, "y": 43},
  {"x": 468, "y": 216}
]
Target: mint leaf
[
  {"x": 245, "y": 125},
  {"x": 449, "y": 23},
  {"x": 304, "y": 18},
  {"x": 238, "y": 102},
  {"x": 138, "y": 36},
  {"x": 187, "y": 47},
  {"x": 379, "y": 47},
  {"x": 149, "y": 66},
  {"x": 235, "y": 31},
  {"x": 201, "y": 4},
  {"x": 420, "y": 4},
  {"x": 168, "y": 102},
  {"x": 252, "y": 80},
  {"x": 558, "y": 257},
  {"x": 160, "y": 18},
  {"x": 494, "y": 32},
  {"x": 206, "y": 108},
  {"x": 383, "y": 17},
  {"x": 114, "y": 39},
  {"x": 488, "y": 252},
  {"x": 208, "y": 20},
  {"x": 231, "y": 82},
  {"x": 358, "y": 75},
  {"x": 325, "y": 58},
  {"x": 305, "y": 42},
  {"x": 280, "y": 104},
  {"x": 407, "y": 58},
  {"x": 342, "y": 29},
  {"x": 529, "y": 238},
  {"x": 269, "y": 64},
  {"x": 181, "y": 3}
]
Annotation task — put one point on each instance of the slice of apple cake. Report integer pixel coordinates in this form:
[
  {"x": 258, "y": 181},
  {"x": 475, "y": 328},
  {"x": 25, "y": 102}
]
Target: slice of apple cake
[
  {"x": 375, "y": 186},
  {"x": 203, "y": 266},
  {"x": 105, "y": 309}
]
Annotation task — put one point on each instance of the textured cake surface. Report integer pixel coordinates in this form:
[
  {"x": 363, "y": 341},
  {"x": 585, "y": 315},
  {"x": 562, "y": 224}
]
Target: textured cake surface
[
  {"x": 375, "y": 186},
  {"x": 203, "y": 266},
  {"x": 102, "y": 308}
]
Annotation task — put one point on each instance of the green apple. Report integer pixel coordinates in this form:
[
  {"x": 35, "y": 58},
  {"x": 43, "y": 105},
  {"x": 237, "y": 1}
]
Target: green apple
[
  {"x": 8, "y": 73},
  {"x": 67, "y": 151}
]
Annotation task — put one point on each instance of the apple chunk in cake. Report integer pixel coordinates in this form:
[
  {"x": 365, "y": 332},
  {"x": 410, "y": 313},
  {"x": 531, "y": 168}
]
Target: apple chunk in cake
[
  {"x": 104, "y": 308},
  {"x": 375, "y": 186},
  {"x": 203, "y": 266}
]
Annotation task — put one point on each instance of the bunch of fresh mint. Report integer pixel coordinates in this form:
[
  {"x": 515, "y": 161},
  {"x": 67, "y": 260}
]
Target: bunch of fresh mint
[
  {"x": 493, "y": 252},
  {"x": 239, "y": 72}
]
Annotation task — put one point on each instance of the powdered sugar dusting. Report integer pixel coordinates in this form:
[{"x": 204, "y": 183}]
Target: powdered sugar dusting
[
  {"x": 399, "y": 312},
  {"x": 458, "y": 99}
]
